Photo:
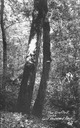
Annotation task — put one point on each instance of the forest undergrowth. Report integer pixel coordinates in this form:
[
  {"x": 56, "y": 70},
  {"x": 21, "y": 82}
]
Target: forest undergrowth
[
  {"x": 56, "y": 118},
  {"x": 17, "y": 120}
]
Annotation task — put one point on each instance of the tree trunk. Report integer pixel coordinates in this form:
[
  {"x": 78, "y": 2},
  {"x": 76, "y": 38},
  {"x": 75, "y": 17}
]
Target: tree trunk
[
  {"x": 4, "y": 47},
  {"x": 38, "y": 106},
  {"x": 28, "y": 80}
]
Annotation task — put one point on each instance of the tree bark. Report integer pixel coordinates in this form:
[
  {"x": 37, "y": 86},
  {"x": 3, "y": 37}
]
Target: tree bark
[
  {"x": 28, "y": 80},
  {"x": 39, "y": 103},
  {"x": 4, "y": 47}
]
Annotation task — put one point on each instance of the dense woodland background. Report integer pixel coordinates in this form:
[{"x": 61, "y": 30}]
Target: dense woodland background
[{"x": 40, "y": 63}]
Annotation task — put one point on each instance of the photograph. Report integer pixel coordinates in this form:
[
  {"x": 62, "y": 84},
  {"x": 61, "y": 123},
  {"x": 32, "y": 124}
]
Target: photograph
[{"x": 39, "y": 63}]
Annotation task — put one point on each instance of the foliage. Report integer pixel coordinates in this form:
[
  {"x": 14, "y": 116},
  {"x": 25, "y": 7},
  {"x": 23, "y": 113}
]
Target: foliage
[
  {"x": 66, "y": 97},
  {"x": 63, "y": 91},
  {"x": 12, "y": 120}
]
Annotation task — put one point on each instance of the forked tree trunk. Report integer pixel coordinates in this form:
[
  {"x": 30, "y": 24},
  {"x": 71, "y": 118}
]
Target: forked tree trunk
[
  {"x": 4, "y": 47},
  {"x": 39, "y": 103},
  {"x": 32, "y": 78},
  {"x": 28, "y": 80}
]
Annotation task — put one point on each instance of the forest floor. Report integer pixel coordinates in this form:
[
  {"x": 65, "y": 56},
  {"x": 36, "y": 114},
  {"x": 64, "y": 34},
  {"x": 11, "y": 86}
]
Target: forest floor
[
  {"x": 16, "y": 120},
  {"x": 9, "y": 119}
]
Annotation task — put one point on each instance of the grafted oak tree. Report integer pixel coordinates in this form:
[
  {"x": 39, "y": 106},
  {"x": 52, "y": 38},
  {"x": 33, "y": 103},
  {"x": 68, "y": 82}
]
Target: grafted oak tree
[
  {"x": 39, "y": 103},
  {"x": 28, "y": 80}
]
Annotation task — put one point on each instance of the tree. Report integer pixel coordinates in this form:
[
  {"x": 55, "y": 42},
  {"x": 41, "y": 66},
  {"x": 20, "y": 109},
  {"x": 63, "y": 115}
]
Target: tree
[
  {"x": 65, "y": 51},
  {"x": 39, "y": 103},
  {"x": 27, "y": 84},
  {"x": 4, "y": 46}
]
